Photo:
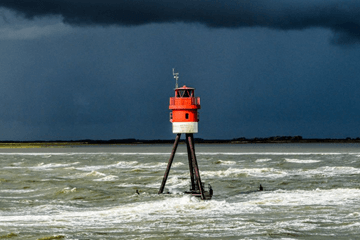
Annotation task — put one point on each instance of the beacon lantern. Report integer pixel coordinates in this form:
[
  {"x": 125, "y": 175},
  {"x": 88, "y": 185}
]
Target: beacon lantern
[{"x": 184, "y": 110}]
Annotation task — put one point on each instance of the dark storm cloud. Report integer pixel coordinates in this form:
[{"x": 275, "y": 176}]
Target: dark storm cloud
[{"x": 341, "y": 16}]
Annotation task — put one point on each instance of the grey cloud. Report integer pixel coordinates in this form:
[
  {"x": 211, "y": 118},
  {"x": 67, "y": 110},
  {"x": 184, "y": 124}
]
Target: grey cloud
[
  {"x": 341, "y": 16},
  {"x": 33, "y": 32}
]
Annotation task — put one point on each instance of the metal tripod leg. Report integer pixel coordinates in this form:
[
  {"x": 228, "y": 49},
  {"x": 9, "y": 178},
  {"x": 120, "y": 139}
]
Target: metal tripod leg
[
  {"x": 190, "y": 139},
  {"x": 191, "y": 168},
  {"x": 170, "y": 162}
]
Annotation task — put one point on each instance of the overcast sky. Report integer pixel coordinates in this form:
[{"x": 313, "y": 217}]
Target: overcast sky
[{"x": 76, "y": 69}]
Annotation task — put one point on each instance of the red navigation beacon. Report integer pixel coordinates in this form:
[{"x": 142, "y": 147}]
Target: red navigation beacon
[
  {"x": 184, "y": 106},
  {"x": 184, "y": 117}
]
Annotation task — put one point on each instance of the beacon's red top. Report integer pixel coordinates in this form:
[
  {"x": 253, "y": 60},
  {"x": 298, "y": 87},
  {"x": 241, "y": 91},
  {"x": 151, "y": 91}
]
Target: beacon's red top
[{"x": 184, "y": 105}]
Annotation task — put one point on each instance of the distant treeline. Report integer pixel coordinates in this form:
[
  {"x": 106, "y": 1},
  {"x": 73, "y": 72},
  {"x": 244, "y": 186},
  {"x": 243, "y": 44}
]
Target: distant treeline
[{"x": 241, "y": 140}]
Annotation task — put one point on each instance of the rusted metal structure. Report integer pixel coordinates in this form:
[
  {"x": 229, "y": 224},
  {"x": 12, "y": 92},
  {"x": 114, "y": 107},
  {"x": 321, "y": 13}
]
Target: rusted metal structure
[{"x": 184, "y": 117}]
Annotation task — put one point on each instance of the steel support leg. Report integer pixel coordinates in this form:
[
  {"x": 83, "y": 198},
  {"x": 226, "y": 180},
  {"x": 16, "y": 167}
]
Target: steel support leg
[
  {"x": 170, "y": 162},
  {"x": 191, "y": 168},
  {"x": 190, "y": 139}
]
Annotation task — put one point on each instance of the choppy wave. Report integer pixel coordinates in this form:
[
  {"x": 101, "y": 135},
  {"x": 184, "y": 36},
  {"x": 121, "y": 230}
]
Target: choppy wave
[
  {"x": 301, "y": 160},
  {"x": 225, "y": 162},
  {"x": 92, "y": 195},
  {"x": 263, "y": 160},
  {"x": 47, "y": 155},
  {"x": 318, "y": 197},
  {"x": 184, "y": 206},
  {"x": 107, "y": 178},
  {"x": 271, "y": 153},
  {"x": 43, "y": 166},
  {"x": 281, "y": 173},
  {"x": 333, "y": 171},
  {"x": 237, "y": 172}
]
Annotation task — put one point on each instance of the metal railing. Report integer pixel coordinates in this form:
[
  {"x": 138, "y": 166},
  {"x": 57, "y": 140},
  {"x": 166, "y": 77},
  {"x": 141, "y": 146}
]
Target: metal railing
[{"x": 185, "y": 100}]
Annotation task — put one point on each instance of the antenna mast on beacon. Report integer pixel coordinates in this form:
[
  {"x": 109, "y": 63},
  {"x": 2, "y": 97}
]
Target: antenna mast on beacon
[{"x": 185, "y": 118}]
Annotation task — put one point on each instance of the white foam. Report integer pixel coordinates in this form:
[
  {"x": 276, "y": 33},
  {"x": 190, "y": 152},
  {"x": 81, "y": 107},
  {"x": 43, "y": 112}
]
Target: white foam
[
  {"x": 178, "y": 164},
  {"x": 121, "y": 164},
  {"x": 87, "y": 174},
  {"x": 223, "y": 162},
  {"x": 158, "y": 165},
  {"x": 321, "y": 197},
  {"x": 17, "y": 164},
  {"x": 280, "y": 173},
  {"x": 138, "y": 211},
  {"x": 301, "y": 161},
  {"x": 94, "y": 174},
  {"x": 129, "y": 165},
  {"x": 270, "y": 153},
  {"x": 42, "y": 166},
  {"x": 176, "y": 182},
  {"x": 263, "y": 160},
  {"x": 68, "y": 190},
  {"x": 20, "y": 191},
  {"x": 128, "y": 185},
  {"x": 235, "y": 172},
  {"x": 35, "y": 154},
  {"x": 182, "y": 206},
  {"x": 332, "y": 171},
  {"x": 107, "y": 178},
  {"x": 152, "y": 212}
]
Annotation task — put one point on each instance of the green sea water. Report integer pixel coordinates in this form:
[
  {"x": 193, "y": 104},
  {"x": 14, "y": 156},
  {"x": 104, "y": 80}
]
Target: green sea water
[{"x": 311, "y": 191}]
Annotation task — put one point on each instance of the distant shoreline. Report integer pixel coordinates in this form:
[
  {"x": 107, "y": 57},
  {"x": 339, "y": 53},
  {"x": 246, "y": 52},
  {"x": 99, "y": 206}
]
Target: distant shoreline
[{"x": 131, "y": 141}]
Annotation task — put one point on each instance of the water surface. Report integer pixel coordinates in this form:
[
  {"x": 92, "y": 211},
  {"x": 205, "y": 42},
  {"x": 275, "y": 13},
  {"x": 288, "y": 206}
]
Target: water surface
[{"x": 311, "y": 191}]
